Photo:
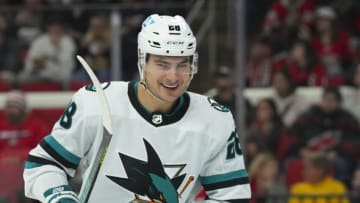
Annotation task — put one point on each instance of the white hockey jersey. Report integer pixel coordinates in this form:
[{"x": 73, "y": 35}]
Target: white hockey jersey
[{"x": 152, "y": 157}]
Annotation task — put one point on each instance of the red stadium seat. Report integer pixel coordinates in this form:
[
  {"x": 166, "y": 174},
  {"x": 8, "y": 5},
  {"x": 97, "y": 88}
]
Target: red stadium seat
[
  {"x": 293, "y": 171},
  {"x": 4, "y": 87},
  {"x": 11, "y": 184},
  {"x": 77, "y": 85},
  {"x": 49, "y": 116},
  {"x": 43, "y": 86}
]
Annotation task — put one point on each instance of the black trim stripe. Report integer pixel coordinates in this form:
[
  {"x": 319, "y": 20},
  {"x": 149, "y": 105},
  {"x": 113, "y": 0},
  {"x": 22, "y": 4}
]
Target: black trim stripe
[
  {"x": 239, "y": 201},
  {"x": 42, "y": 161},
  {"x": 229, "y": 183},
  {"x": 232, "y": 200},
  {"x": 57, "y": 156},
  {"x": 167, "y": 118}
]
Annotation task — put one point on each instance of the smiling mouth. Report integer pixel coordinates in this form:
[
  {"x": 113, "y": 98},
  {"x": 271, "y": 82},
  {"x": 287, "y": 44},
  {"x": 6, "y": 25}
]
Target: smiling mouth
[{"x": 171, "y": 87}]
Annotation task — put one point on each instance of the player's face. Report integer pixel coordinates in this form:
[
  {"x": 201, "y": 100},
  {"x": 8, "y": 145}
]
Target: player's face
[{"x": 168, "y": 76}]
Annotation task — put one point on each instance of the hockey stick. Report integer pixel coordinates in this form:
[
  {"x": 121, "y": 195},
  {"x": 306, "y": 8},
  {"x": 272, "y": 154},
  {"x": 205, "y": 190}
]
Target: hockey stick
[{"x": 96, "y": 164}]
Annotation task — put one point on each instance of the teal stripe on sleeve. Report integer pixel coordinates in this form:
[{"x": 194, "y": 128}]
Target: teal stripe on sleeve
[
  {"x": 30, "y": 165},
  {"x": 61, "y": 188},
  {"x": 72, "y": 158},
  {"x": 205, "y": 180}
]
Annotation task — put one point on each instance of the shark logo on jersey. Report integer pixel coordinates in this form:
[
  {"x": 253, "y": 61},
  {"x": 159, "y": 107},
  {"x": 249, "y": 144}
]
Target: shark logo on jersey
[{"x": 148, "y": 179}]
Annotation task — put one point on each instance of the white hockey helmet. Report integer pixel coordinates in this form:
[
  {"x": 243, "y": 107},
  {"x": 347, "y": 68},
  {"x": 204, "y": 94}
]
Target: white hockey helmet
[{"x": 166, "y": 36}]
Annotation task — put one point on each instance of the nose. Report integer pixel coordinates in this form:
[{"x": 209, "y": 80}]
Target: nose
[{"x": 172, "y": 73}]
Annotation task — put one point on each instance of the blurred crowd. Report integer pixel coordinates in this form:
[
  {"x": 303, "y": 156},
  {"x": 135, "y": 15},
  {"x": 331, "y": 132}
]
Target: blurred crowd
[
  {"x": 39, "y": 39},
  {"x": 317, "y": 41},
  {"x": 291, "y": 145},
  {"x": 294, "y": 146}
]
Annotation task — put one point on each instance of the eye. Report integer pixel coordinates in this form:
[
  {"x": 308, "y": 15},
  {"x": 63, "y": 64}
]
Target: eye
[
  {"x": 163, "y": 65},
  {"x": 161, "y": 197},
  {"x": 183, "y": 65}
]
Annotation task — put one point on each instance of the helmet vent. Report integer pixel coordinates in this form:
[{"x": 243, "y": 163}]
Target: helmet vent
[
  {"x": 190, "y": 46},
  {"x": 156, "y": 33},
  {"x": 155, "y": 45},
  {"x": 174, "y": 33}
]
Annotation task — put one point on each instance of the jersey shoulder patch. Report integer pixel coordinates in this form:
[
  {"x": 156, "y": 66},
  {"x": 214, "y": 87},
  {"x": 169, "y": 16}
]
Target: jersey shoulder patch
[{"x": 217, "y": 106}]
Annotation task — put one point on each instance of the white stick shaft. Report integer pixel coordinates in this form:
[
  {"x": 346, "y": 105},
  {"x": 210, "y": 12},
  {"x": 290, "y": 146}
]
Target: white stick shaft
[
  {"x": 101, "y": 95},
  {"x": 104, "y": 139}
]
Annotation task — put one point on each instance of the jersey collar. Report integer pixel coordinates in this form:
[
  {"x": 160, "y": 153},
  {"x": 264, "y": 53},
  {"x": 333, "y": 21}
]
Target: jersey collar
[{"x": 157, "y": 118}]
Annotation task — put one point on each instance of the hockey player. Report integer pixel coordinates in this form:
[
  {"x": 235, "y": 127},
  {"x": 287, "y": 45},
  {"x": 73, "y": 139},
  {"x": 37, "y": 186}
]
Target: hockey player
[{"x": 166, "y": 142}]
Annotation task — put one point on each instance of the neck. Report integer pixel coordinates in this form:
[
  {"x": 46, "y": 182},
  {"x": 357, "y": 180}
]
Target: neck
[{"x": 150, "y": 103}]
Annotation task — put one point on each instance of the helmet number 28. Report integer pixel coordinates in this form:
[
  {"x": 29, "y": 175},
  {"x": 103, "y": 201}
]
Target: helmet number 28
[{"x": 174, "y": 28}]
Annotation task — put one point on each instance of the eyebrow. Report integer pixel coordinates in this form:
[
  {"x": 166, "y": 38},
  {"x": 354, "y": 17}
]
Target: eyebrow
[{"x": 186, "y": 60}]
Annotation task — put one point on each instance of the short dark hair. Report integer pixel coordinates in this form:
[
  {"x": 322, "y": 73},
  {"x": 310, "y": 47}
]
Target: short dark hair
[
  {"x": 333, "y": 90},
  {"x": 286, "y": 74},
  {"x": 223, "y": 71}
]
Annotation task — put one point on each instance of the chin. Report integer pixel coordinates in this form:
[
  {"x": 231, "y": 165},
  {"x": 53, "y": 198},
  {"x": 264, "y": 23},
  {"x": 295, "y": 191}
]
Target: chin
[{"x": 170, "y": 99}]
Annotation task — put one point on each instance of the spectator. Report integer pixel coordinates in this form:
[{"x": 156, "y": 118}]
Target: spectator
[
  {"x": 224, "y": 92},
  {"x": 258, "y": 65},
  {"x": 289, "y": 13},
  {"x": 9, "y": 54},
  {"x": 352, "y": 94},
  {"x": 132, "y": 19},
  {"x": 288, "y": 102},
  {"x": 348, "y": 12},
  {"x": 267, "y": 126},
  {"x": 287, "y": 20},
  {"x": 355, "y": 184},
  {"x": 331, "y": 45},
  {"x": 317, "y": 182},
  {"x": 252, "y": 148},
  {"x": 51, "y": 56},
  {"x": 19, "y": 131},
  {"x": 95, "y": 47},
  {"x": 329, "y": 128},
  {"x": 77, "y": 15},
  {"x": 265, "y": 179},
  {"x": 303, "y": 66},
  {"x": 27, "y": 22}
]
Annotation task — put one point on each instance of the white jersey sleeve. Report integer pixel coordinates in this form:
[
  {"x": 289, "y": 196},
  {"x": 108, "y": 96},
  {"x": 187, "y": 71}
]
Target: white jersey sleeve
[
  {"x": 224, "y": 176},
  {"x": 54, "y": 160}
]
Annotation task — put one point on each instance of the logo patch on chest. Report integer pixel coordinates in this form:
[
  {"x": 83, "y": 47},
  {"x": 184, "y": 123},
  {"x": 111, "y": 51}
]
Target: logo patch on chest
[{"x": 157, "y": 119}]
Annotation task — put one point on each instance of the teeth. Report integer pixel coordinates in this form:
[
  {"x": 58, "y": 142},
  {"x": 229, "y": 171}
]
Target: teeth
[{"x": 170, "y": 86}]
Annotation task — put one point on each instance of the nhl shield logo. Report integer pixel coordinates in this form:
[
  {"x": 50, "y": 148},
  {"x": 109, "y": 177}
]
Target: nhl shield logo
[{"x": 157, "y": 119}]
